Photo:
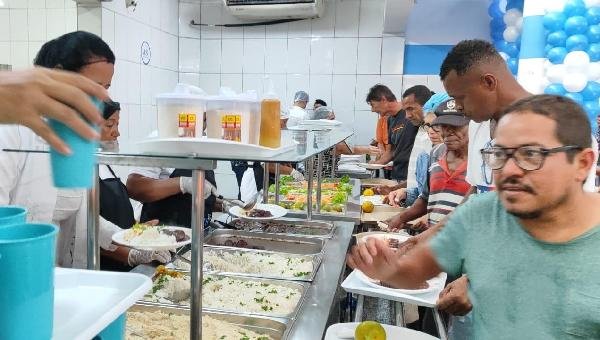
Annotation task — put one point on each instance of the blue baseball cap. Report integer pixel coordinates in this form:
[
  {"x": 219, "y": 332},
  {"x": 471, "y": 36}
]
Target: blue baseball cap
[{"x": 435, "y": 101}]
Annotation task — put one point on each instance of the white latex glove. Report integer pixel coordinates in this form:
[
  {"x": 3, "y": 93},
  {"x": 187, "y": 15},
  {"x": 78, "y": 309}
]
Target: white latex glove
[
  {"x": 297, "y": 175},
  {"x": 146, "y": 256},
  {"x": 186, "y": 185}
]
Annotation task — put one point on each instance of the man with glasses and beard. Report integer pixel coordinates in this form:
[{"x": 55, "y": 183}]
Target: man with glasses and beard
[{"x": 530, "y": 249}]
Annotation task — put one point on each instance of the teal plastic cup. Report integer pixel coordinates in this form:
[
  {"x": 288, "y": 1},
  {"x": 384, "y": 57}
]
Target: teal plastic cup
[
  {"x": 114, "y": 331},
  {"x": 75, "y": 170},
  {"x": 12, "y": 214},
  {"x": 27, "y": 281}
]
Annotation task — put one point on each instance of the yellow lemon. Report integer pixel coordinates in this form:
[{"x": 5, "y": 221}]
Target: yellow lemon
[
  {"x": 368, "y": 192},
  {"x": 367, "y": 206},
  {"x": 369, "y": 330}
]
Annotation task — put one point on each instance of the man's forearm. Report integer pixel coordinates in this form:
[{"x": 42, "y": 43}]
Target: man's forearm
[
  {"x": 146, "y": 189},
  {"x": 418, "y": 209},
  {"x": 385, "y": 158},
  {"x": 413, "y": 269}
]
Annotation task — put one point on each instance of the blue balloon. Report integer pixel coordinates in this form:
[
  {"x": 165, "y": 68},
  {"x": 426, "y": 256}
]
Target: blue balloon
[
  {"x": 574, "y": 7},
  {"x": 554, "y": 21},
  {"x": 577, "y": 42},
  {"x": 557, "y": 39},
  {"x": 576, "y": 25},
  {"x": 557, "y": 55},
  {"x": 509, "y": 48},
  {"x": 513, "y": 65},
  {"x": 593, "y": 33},
  {"x": 594, "y": 52},
  {"x": 518, "y": 4},
  {"x": 494, "y": 10},
  {"x": 555, "y": 89},
  {"x": 593, "y": 15},
  {"x": 592, "y": 108},
  {"x": 577, "y": 97},
  {"x": 548, "y": 48},
  {"x": 591, "y": 91},
  {"x": 497, "y": 35},
  {"x": 497, "y": 24}
]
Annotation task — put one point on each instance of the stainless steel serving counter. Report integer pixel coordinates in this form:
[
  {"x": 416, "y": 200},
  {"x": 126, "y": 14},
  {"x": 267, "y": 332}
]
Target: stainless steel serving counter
[{"x": 311, "y": 322}]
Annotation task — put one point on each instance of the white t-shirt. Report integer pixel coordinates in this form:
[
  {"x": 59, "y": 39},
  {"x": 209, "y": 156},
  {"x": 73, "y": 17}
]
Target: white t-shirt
[
  {"x": 296, "y": 115},
  {"x": 422, "y": 144},
  {"x": 479, "y": 175}
]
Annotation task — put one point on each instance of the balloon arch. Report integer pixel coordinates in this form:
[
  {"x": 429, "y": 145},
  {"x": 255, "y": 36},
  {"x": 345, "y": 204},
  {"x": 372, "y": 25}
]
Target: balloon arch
[{"x": 553, "y": 46}]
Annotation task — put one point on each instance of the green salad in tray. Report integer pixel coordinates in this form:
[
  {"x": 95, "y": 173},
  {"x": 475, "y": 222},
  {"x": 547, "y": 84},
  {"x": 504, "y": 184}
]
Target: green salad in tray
[{"x": 293, "y": 195}]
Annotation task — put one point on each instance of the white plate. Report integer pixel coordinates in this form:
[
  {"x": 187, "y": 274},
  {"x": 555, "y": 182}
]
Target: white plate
[
  {"x": 434, "y": 284},
  {"x": 119, "y": 238},
  {"x": 375, "y": 199},
  {"x": 87, "y": 301},
  {"x": 363, "y": 237},
  {"x": 346, "y": 331},
  {"x": 275, "y": 210}
]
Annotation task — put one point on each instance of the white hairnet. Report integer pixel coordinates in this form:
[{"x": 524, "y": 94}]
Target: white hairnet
[{"x": 301, "y": 96}]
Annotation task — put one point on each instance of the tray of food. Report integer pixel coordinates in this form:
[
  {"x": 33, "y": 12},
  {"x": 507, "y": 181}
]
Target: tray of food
[
  {"x": 250, "y": 240},
  {"x": 260, "y": 212},
  {"x": 229, "y": 293},
  {"x": 295, "y": 227},
  {"x": 255, "y": 263},
  {"x": 146, "y": 321}
]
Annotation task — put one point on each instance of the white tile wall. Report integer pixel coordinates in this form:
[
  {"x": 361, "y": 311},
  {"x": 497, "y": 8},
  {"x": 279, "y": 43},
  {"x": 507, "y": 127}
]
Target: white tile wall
[
  {"x": 25, "y": 25},
  {"x": 369, "y": 56},
  {"x": 134, "y": 84},
  {"x": 232, "y": 55}
]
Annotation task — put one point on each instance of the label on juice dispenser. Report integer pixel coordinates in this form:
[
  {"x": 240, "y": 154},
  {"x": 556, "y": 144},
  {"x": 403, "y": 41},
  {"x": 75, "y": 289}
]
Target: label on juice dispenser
[
  {"x": 187, "y": 125},
  {"x": 231, "y": 127}
]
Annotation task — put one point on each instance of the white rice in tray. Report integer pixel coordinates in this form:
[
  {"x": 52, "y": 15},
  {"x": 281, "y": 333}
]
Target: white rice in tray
[
  {"x": 273, "y": 265},
  {"x": 159, "y": 325},
  {"x": 226, "y": 293}
]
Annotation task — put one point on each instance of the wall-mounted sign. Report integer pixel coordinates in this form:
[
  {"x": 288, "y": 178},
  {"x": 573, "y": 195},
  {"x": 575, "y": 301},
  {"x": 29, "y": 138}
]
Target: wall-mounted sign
[{"x": 146, "y": 53}]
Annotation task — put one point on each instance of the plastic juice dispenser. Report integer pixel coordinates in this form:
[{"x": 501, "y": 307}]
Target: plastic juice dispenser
[
  {"x": 270, "y": 127},
  {"x": 233, "y": 117},
  {"x": 181, "y": 113}
]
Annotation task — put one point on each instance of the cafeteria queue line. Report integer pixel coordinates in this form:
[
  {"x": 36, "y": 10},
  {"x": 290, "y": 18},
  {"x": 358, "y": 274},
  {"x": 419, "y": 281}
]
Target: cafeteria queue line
[{"x": 493, "y": 190}]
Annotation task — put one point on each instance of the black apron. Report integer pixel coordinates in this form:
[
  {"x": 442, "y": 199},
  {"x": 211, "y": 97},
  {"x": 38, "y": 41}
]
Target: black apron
[
  {"x": 115, "y": 207},
  {"x": 177, "y": 209}
]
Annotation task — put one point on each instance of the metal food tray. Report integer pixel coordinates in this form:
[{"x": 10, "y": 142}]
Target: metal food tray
[
  {"x": 301, "y": 286},
  {"x": 314, "y": 258},
  {"x": 279, "y": 243},
  {"x": 274, "y": 327},
  {"x": 327, "y": 228}
]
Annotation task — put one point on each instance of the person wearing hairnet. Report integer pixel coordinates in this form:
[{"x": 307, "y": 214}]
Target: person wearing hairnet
[{"x": 297, "y": 112}]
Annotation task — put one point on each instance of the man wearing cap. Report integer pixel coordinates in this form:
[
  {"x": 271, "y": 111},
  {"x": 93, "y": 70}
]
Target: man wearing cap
[
  {"x": 447, "y": 169},
  {"x": 297, "y": 112}
]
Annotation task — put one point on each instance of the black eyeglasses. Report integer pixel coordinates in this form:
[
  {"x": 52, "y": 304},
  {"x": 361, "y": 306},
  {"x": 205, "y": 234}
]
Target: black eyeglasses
[
  {"x": 440, "y": 128},
  {"x": 528, "y": 158},
  {"x": 425, "y": 126}
]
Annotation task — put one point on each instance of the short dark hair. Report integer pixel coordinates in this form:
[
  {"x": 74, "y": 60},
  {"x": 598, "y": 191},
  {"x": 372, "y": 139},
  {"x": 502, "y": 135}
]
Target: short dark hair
[
  {"x": 379, "y": 92},
  {"x": 72, "y": 51},
  {"x": 110, "y": 107},
  {"x": 320, "y": 102},
  {"x": 421, "y": 92},
  {"x": 466, "y": 54},
  {"x": 572, "y": 124}
]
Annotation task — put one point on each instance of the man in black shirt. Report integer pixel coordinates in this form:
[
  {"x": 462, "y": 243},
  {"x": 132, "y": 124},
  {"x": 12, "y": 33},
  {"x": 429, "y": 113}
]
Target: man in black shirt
[{"x": 401, "y": 133}]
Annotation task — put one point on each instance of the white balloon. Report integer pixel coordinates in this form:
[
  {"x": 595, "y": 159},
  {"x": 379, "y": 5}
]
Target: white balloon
[
  {"x": 575, "y": 82},
  {"x": 591, "y": 3},
  {"x": 554, "y": 5},
  {"x": 556, "y": 73},
  {"x": 577, "y": 61},
  {"x": 504, "y": 56},
  {"x": 511, "y": 16},
  {"x": 594, "y": 71},
  {"x": 519, "y": 24},
  {"x": 511, "y": 34}
]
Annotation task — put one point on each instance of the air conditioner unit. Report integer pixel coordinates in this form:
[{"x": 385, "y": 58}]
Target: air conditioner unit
[{"x": 275, "y": 9}]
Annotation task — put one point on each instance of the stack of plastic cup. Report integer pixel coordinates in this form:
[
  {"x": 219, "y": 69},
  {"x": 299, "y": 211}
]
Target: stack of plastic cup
[{"x": 300, "y": 137}]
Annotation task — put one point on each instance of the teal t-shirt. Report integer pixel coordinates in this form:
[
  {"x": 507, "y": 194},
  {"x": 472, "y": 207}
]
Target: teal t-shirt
[{"x": 521, "y": 288}]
